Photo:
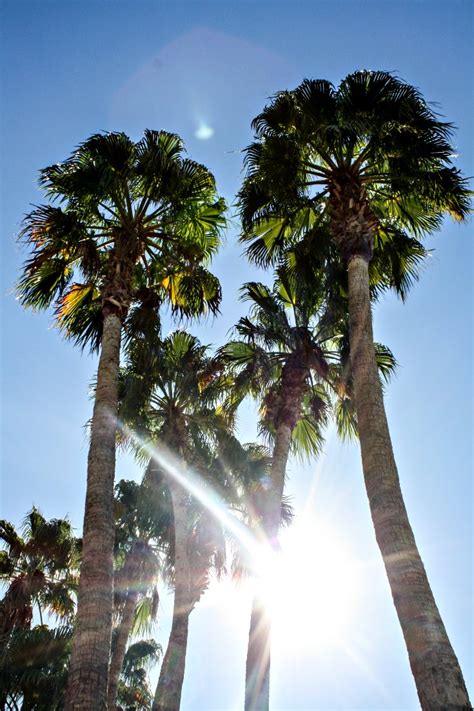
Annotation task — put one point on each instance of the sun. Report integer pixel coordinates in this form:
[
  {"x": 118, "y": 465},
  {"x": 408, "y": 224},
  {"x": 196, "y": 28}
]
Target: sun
[{"x": 310, "y": 589}]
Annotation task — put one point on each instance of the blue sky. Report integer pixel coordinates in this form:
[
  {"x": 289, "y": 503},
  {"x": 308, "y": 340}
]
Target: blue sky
[{"x": 73, "y": 68}]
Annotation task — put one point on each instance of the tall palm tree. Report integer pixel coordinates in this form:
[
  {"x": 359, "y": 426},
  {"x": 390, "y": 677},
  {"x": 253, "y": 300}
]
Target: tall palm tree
[
  {"x": 172, "y": 403},
  {"x": 280, "y": 361},
  {"x": 136, "y": 220},
  {"x": 292, "y": 357},
  {"x": 371, "y": 160},
  {"x": 143, "y": 528}
]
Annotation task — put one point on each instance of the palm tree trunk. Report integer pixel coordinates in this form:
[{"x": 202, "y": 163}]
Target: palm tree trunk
[
  {"x": 436, "y": 670},
  {"x": 88, "y": 673},
  {"x": 257, "y": 672},
  {"x": 170, "y": 683},
  {"x": 257, "y": 669},
  {"x": 123, "y": 633}
]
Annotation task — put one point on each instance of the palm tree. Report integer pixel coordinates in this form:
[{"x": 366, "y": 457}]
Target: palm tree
[
  {"x": 371, "y": 160},
  {"x": 199, "y": 552},
  {"x": 281, "y": 360},
  {"x": 254, "y": 471},
  {"x": 143, "y": 528},
  {"x": 292, "y": 356},
  {"x": 33, "y": 668},
  {"x": 137, "y": 221},
  {"x": 38, "y": 568},
  {"x": 172, "y": 403},
  {"x": 134, "y": 692}
]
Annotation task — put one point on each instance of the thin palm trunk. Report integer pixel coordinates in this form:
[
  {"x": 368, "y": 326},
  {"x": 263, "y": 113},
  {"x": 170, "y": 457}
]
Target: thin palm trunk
[
  {"x": 170, "y": 683},
  {"x": 123, "y": 633},
  {"x": 88, "y": 674},
  {"x": 257, "y": 669},
  {"x": 257, "y": 673},
  {"x": 436, "y": 670}
]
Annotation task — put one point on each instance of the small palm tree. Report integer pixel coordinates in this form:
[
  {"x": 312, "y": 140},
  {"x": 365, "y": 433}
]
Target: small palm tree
[
  {"x": 370, "y": 163},
  {"x": 38, "y": 568},
  {"x": 137, "y": 223},
  {"x": 143, "y": 530},
  {"x": 33, "y": 668},
  {"x": 134, "y": 692}
]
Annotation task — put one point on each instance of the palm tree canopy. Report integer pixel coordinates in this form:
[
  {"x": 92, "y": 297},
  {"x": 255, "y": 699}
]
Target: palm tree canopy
[
  {"x": 293, "y": 324},
  {"x": 33, "y": 667},
  {"x": 372, "y": 144},
  {"x": 136, "y": 223},
  {"x": 179, "y": 389},
  {"x": 133, "y": 690},
  {"x": 143, "y": 538},
  {"x": 142, "y": 512},
  {"x": 37, "y": 567},
  {"x": 171, "y": 396}
]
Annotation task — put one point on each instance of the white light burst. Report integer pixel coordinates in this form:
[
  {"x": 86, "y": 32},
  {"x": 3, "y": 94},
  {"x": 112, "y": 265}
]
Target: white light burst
[{"x": 204, "y": 132}]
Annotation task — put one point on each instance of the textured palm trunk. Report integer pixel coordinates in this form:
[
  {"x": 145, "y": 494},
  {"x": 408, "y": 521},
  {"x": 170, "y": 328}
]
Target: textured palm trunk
[
  {"x": 123, "y": 633},
  {"x": 88, "y": 673},
  {"x": 436, "y": 670},
  {"x": 170, "y": 683},
  {"x": 257, "y": 671}
]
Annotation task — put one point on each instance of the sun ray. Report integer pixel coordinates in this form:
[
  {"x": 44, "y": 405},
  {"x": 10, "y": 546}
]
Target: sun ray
[
  {"x": 309, "y": 587},
  {"x": 253, "y": 541}
]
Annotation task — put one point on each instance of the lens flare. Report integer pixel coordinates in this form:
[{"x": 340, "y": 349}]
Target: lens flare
[
  {"x": 308, "y": 587},
  {"x": 253, "y": 543},
  {"x": 204, "y": 131}
]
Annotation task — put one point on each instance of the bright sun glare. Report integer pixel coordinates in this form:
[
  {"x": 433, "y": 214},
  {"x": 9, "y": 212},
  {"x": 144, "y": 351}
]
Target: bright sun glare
[{"x": 310, "y": 589}]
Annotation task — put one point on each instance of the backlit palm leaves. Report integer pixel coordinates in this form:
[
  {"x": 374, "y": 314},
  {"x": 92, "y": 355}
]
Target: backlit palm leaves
[
  {"x": 38, "y": 568},
  {"x": 172, "y": 403},
  {"x": 38, "y": 573},
  {"x": 135, "y": 226},
  {"x": 352, "y": 177}
]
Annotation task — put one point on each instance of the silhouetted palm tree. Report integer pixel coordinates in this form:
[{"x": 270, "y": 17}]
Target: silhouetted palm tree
[{"x": 38, "y": 569}]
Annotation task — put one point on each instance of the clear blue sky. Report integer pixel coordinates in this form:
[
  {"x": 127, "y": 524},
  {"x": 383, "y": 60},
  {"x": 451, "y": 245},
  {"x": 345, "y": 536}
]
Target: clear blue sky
[{"x": 73, "y": 68}]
